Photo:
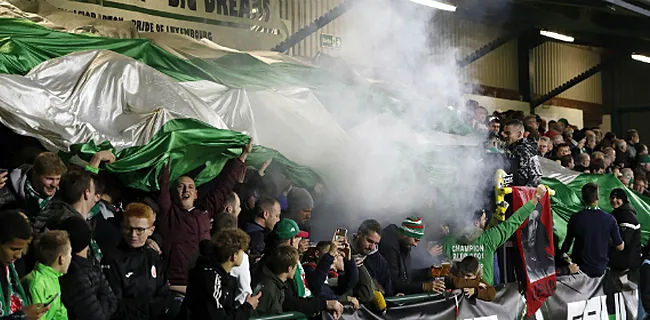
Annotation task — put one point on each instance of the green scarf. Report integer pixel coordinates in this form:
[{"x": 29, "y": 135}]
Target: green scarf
[
  {"x": 34, "y": 202},
  {"x": 299, "y": 279},
  {"x": 95, "y": 251},
  {"x": 15, "y": 289}
]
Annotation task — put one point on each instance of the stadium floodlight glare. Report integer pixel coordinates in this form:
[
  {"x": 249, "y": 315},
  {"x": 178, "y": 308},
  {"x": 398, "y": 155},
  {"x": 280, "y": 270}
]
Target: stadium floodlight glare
[
  {"x": 436, "y": 4},
  {"x": 640, "y": 57},
  {"x": 557, "y": 36}
]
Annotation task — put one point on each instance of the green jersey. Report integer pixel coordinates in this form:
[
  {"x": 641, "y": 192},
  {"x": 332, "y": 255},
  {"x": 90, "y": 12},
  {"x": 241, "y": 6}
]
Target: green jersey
[{"x": 484, "y": 246}]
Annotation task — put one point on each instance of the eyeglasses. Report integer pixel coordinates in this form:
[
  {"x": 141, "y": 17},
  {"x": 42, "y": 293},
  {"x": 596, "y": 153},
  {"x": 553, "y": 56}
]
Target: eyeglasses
[{"x": 138, "y": 231}]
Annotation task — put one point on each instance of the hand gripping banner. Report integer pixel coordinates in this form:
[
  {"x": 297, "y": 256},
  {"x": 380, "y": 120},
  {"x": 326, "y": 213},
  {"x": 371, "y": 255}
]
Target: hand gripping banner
[{"x": 535, "y": 242}]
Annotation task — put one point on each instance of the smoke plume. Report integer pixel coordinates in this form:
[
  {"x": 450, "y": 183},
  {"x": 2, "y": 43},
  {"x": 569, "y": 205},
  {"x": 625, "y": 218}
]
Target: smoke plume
[{"x": 401, "y": 159}]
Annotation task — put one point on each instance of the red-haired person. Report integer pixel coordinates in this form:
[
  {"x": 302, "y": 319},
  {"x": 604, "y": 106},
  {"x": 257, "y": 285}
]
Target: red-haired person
[{"x": 135, "y": 271}]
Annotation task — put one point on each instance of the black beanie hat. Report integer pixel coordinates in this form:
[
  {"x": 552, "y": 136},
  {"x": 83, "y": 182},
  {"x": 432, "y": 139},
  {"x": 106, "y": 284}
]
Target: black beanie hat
[
  {"x": 619, "y": 193},
  {"x": 78, "y": 231}
]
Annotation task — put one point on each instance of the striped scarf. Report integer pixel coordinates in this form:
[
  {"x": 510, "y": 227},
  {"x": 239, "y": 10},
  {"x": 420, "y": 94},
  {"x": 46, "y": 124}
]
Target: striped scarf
[
  {"x": 300, "y": 280},
  {"x": 34, "y": 202}
]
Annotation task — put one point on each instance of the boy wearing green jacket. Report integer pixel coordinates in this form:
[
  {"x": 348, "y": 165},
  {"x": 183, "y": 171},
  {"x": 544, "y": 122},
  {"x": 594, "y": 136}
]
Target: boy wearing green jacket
[
  {"x": 482, "y": 243},
  {"x": 53, "y": 254}
]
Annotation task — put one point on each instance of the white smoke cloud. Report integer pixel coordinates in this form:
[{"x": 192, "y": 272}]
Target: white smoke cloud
[{"x": 399, "y": 143}]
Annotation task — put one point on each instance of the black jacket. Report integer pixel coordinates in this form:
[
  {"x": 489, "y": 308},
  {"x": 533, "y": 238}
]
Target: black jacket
[
  {"x": 317, "y": 274},
  {"x": 211, "y": 293},
  {"x": 10, "y": 196},
  {"x": 138, "y": 281},
  {"x": 85, "y": 292},
  {"x": 628, "y": 225},
  {"x": 105, "y": 233},
  {"x": 54, "y": 214},
  {"x": 524, "y": 163},
  {"x": 58, "y": 211},
  {"x": 377, "y": 267},
  {"x": 403, "y": 278},
  {"x": 258, "y": 236}
]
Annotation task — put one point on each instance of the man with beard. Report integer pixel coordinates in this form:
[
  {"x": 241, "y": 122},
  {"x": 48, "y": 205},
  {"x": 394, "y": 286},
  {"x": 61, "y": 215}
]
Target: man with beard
[
  {"x": 395, "y": 247},
  {"x": 630, "y": 230},
  {"x": 365, "y": 250},
  {"x": 522, "y": 155},
  {"x": 482, "y": 243},
  {"x": 183, "y": 224},
  {"x": 494, "y": 126}
]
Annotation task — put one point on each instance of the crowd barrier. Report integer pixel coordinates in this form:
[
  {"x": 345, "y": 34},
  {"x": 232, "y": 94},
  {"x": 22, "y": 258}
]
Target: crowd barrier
[{"x": 576, "y": 297}]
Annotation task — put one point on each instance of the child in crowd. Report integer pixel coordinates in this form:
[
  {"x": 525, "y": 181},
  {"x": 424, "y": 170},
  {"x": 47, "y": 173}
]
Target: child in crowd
[
  {"x": 53, "y": 255},
  {"x": 211, "y": 290},
  {"x": 280, "y": 266},
  {"x": 466, "y": 275}
]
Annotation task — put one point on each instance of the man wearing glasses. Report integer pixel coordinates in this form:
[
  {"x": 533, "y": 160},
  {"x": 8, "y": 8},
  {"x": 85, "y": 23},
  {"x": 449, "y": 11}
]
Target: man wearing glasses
[{"x": 136, "y": 272}]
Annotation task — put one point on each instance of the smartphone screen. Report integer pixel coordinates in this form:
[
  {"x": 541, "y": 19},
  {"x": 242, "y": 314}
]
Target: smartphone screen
[
  {"x": 341, "y": 233},
  {"x": 257, "y": 289}
]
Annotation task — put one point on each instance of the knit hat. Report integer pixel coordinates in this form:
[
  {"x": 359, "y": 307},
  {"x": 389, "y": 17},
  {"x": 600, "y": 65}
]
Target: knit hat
[
  {"x": 288, "y": 229},
  {"x": 284, "y": 203},
  {"x": 413, "y": 227},
  {"x": 644, "y": 158},
  {"x": 299, "y": 199},
  {"x": 78, "y": 232},
  {"x": 619, "y": 193}
]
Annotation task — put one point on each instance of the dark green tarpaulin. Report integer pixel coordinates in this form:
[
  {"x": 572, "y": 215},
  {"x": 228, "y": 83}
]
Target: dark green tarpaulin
[
  {"x": 567, "y": 200},
  {"x": 187, "y": 144}
]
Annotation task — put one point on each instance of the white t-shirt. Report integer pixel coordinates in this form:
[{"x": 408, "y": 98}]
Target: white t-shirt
[{"x": 243, "y": 275}]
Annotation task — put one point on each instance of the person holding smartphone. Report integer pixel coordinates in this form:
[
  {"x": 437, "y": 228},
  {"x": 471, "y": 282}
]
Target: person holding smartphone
[
  {"x": 53, "y": 255},
  {"x": 15, "y": 236}
]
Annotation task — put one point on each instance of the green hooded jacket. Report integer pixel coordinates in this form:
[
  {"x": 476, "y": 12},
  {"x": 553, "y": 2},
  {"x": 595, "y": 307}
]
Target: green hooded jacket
[
  {"x": 43, "y": 284},
  {"x": 483, "y": 246}
]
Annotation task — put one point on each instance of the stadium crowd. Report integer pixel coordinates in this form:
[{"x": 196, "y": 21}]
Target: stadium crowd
[{"x": 74, "y": 244}]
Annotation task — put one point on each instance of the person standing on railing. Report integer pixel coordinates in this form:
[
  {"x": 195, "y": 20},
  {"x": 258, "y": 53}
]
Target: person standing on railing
[{"x": 522, "y": 154}]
